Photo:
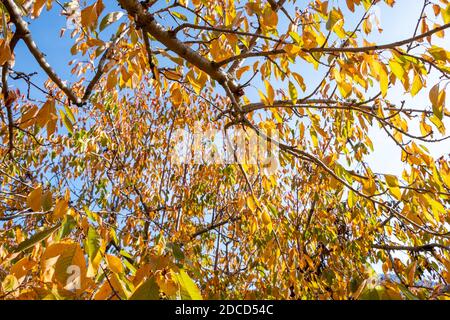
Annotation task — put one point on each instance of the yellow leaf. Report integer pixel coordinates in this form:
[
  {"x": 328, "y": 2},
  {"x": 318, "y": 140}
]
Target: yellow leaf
[
  {"x": 397, "y": 69},
  {"x": 292, "y": 50},
  {"x": 193, "y": 81},
  {"x": 412, "y": 272},
  {"x": 345, "y": 89},
  {"x": 114, "y": 263},
  {"x": 438, "y": 123},
  {"x": 47, "y": 201},
  {"x": 266, "y": 217},
  {"x": 60, "y": 209},
  {"x": 437, "y": 99},
  {"x": 393, "y": 184},
  {"x": 314, "y": 137},
  {"x": 446, "y": 14},
  {"x": 292, "y": 92},
  {"x": 10, "y": 283},
  {"x": 37, "y": 8},
  {"x": 64, "y": 263},
  {"x": 167, "y": 283},
  {"x": 434, "y": 92},
  {"x": 436, "y": 207},
  {"x": 89, "y": 15},
  {"x": 176, "y": 96},
  {"x": 270, "y": 18},
  {"x": 417, "y": 85},
  {"x": 28, "y": 118},
  {"x": 425, "y": 128},
  {"x": 44, "y": 114},
  {"x": 5, "y": 52},
  {"x": 34, "y": 199},
  {"x": 277, "y": 116},
  {"x": 188, "y": 288},
  {"x": 251, "y": 203},
  {"x": 351, "y": 199},
  {"x": 22, "y": 267},
  {"x": 300, "y": 80},
  {"x": 270, "y": 92},
  {"x": 369, "y": 186},
  {"x": 240, "y": 71}
]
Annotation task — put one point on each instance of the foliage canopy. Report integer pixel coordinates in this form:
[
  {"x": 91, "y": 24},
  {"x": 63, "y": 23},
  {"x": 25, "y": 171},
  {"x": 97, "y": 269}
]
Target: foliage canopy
[{"x": 94, "y": 206}]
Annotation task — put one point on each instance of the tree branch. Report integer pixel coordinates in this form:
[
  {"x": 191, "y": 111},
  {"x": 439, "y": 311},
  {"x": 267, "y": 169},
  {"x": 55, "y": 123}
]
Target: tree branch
[
  {"x": 8, "y": 100},
  {"x": 101, "y": 66},
  {"x": 426, "y": 247},
  {"x": 214, "y": 226},
  {"x": 337, "y": 50},
  {"x": 22, "y": 29},
  {"x": 146, "y": 21}
]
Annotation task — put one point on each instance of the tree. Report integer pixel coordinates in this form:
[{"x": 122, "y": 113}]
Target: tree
[{"x": 94, "y": 204}]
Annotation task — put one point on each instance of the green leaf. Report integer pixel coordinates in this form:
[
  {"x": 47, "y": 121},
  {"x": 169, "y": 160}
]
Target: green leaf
[
  {"x": 67, "y": 123},
  {"x": 188, "y": 288},
  {"x": 47, "y": 201},
  {"x": 179, "y": 15},
  {"x": 69, "y": 113},
  {"x": 296, "y": 37},
  {"x": 407, "y": 293},
  {"x": 333, "y": 17},
  {"x": 67, "y": 225},
  {"x": 10, "y": 283},
  {"x": 37, "y": 237},
  {"x": 149, "y": 290},
  {"x": 293, "y": 92},
  {"x": 110, "y": 18},
  {"x": 176, "y": 251},
  {"x": 129, "y": 266},
  {"x": 92, "y": 243},
  {"x": 125, "y": 254}
]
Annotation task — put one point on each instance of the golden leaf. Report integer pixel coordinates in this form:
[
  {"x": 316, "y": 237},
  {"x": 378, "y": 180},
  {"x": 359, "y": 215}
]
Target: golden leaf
[
  {"x": 60, "y": 209},
  {"x": 114, "y": 263},
  {"x": 5, "y": 52},
  {"x": 34, "y": 199}
]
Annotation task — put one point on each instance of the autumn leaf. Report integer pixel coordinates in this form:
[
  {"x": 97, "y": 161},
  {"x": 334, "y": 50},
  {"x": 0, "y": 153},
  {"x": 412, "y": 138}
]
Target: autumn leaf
[
  {"x": 114, "y": 263},
  {"x": 34, "y": 199},
  {"x": 188, "y": 288},
  {"x": 148, "y": 290},
  {"x": 5, "y": 52},
  {"x": 90, "y": 14},
  {"x": 110, "y": 18},
  {"x": 60, "y": 209},
  {"x": 36, "y": 238},
  {"x": 245, "y": 150},
  {"x": 64, "y": 263}
]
